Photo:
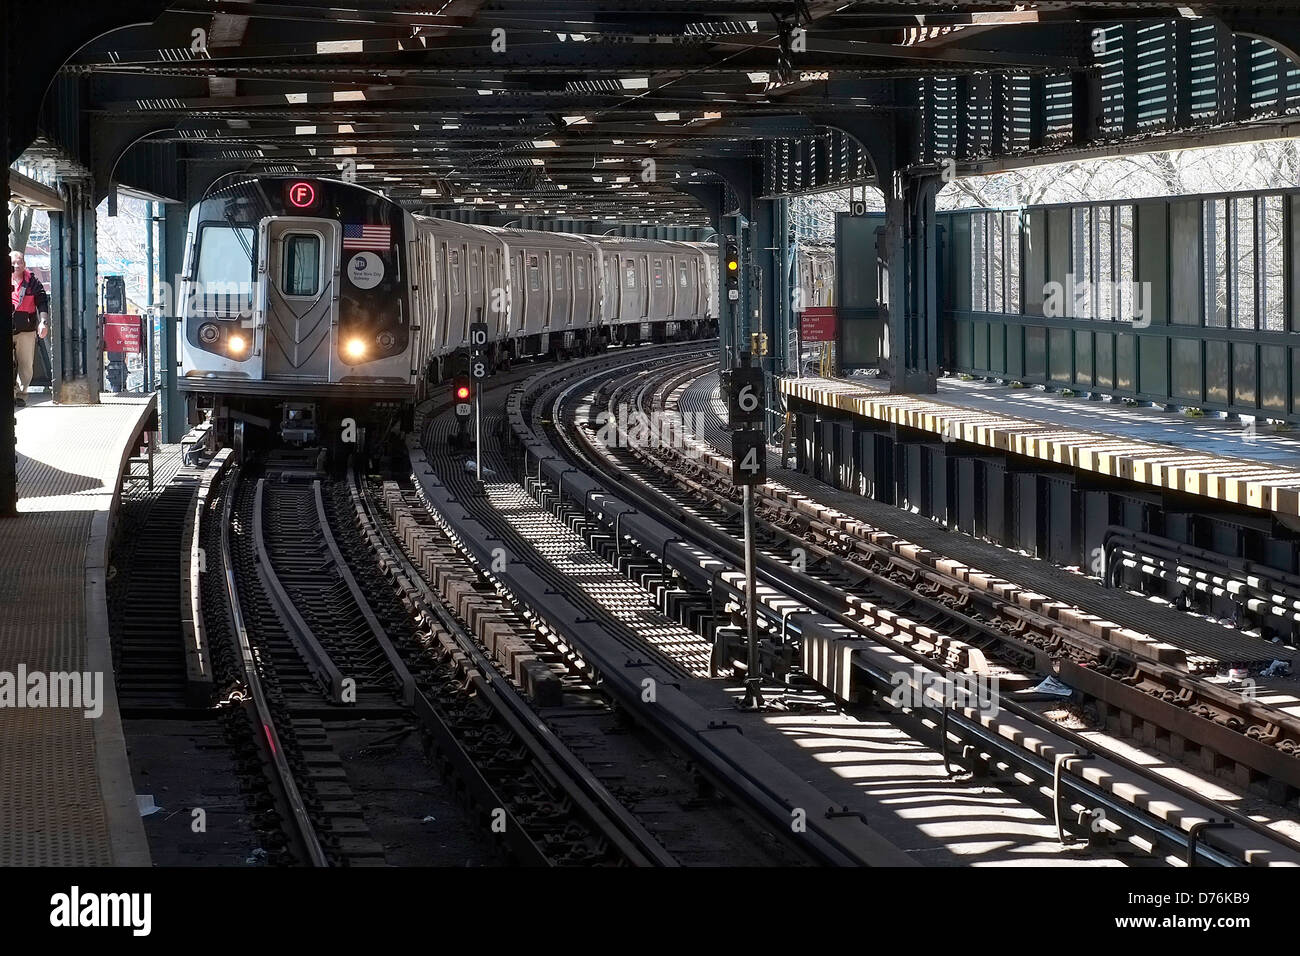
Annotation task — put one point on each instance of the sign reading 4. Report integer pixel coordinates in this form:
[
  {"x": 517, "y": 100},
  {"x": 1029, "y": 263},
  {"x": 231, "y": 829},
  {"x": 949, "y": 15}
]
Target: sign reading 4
[{"x": 748, "y": 458}]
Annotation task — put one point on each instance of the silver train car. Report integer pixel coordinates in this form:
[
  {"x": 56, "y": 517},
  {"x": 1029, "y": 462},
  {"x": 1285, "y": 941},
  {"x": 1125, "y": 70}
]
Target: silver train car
[
  {"x": 305, "y": 302},
  {"x": 815, "y": 275}
]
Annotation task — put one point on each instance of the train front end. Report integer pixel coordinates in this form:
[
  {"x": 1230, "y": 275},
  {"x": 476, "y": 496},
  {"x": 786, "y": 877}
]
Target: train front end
[{"x": 295, "y": 312}]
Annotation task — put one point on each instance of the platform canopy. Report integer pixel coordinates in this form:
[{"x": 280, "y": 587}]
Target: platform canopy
[
  {"x": 33, "y": 194},
  {"x": 572, "y": 108}
]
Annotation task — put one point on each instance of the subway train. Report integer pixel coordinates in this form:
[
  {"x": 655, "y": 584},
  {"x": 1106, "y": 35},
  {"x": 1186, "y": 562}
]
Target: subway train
[
  {"x": 309, "y": 306},
  {"x": 814, "y": 275}
]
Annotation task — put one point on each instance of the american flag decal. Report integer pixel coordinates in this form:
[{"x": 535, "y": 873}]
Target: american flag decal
[{"x": 372, "y": 238}]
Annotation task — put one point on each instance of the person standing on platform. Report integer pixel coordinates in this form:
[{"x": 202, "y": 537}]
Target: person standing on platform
[{"x": 31, "y": 318}]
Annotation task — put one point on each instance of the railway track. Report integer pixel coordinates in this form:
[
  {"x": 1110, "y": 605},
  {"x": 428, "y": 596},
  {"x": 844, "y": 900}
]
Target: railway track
[
  {"x": 595, "y": 512},
  {"x": 697, "y": 818},
  {"x": 349, "y": 597},
  {"x": 550, "y": 689},
  {"x": 624, "y": 656},
  {"x": 329, "y": 623},
  {"x": 1123, "y": 676},
  {"x": 161, "y": 695},
  {"x": 643, "y": 486},
  {"x": 318, "y": 649}
]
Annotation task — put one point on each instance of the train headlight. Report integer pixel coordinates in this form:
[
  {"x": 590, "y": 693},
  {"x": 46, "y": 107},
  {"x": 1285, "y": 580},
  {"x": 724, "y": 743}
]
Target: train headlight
[
  {"x": 209, "y": 333},
  {"x": 355, "y": 348},
  {"x": 236, "y": 344},
  {"x": 386, "y": 341}
]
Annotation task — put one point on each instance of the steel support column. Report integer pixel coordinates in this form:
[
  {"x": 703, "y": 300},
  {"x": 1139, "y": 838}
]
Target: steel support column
[
  {"x": 60, "y": 328},
  {"x": 81, "y": 375},
  {"x": 921, "y": 335},
  {"x": 765, "y": 305},
  {"x": 731, "y": 219},
  {"x": 907, "y": 248},
  {"x": 909, "y": 296},
  {"x": 713, "y": 197},
  {"x": 172, "y": 253},
  {"x": 788, "y": 282}
]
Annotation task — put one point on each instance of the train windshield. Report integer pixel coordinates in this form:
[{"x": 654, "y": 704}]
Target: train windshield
[{"x": 224, "y": 271}]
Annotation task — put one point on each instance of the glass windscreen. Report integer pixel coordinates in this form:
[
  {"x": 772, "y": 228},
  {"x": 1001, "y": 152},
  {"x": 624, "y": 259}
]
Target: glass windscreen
[{"x": 224, "y": 273}]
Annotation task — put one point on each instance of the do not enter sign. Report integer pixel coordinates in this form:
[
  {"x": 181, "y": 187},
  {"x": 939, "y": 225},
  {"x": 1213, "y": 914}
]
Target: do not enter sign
[
  {"x": 817, "y": 324},
  {"x": 122, "y": 333}
]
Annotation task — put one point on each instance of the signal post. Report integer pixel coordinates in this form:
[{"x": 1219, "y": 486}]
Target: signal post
[
  {"x": 746, "y": 411},
  {"x": 478, "y": 373}
]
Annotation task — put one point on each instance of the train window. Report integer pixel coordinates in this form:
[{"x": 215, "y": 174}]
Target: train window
[
  {"x": 559, "y": 273},
  {"x": 682, "y": 278},
  {"x": 534, "y": 274},
  {"x": 659, "y": 273},
  {"x": 224, "y": 272},
  {"x": 301, "y": 264},
  {"x": 629, "y": 275},
  {"x": 453, "y": 270},
  {"x": 580, "y": 274},
  {"x": 475, "y": 272}
]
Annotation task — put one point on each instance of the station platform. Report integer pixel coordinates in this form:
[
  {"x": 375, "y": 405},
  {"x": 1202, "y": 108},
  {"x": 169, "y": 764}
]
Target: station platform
[
  {"x": 66, "y": 793},
  {"x": 1223, "y": 461}
]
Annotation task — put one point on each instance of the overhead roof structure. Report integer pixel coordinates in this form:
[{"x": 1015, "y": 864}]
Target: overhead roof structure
[
  {"x": 590, "y": 108},
  {"x": 656, "y": 115},
  {"x": 32, "y": 193}
]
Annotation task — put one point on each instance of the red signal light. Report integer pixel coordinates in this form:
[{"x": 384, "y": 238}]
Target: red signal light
[{"x": 462, "y": 392}]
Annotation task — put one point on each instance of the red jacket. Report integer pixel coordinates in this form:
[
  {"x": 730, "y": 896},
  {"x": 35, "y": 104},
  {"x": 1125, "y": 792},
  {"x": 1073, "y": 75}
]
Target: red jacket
[{"x": 29, "y": 301}]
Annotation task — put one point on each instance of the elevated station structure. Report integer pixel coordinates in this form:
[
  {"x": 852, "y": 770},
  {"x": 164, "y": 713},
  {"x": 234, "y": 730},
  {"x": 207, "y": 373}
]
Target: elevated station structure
[{"x": 664, "y": 119}]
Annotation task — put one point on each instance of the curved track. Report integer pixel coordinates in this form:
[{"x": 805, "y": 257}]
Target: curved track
[{"x": 636, "y": 479}]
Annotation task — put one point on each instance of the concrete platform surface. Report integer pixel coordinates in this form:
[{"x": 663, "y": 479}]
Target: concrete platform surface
[{"x": 66, "y": 796}]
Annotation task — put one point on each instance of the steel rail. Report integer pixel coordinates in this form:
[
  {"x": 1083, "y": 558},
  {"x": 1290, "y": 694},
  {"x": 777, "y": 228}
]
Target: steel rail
[
  {"x": 813, "y": 595},
  {"x": 1204, "y": 718},
  {"x": 315, "y": 655},
  {"x": 404, "y": 679},
  {"x": 736, "y": 766},
  {"x": 636, "y": 843},
  {"x": 283, "y": 773},
  {"x": 1230, "y": 815}
]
